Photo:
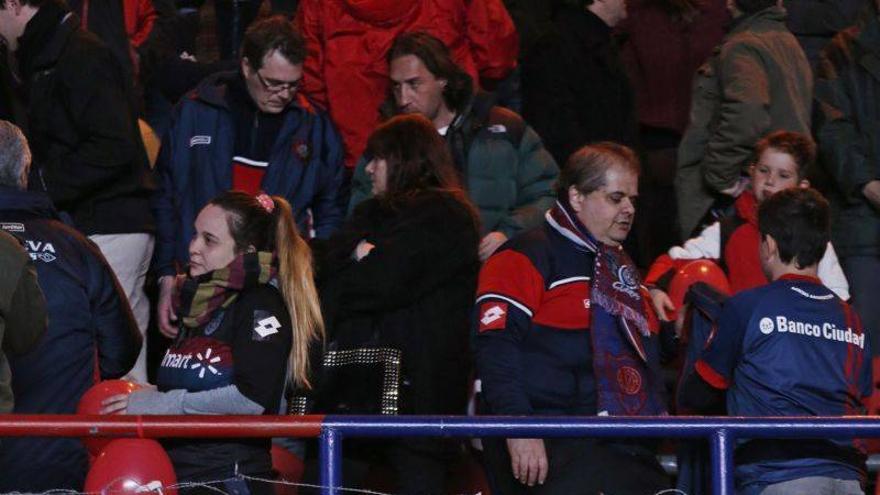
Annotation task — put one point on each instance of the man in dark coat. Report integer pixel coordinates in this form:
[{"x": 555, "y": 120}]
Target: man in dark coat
[
  {"x": 575, "y": 90},
  {"x": 847, "y": 123},
  {"x": 249, "y": 130},
  {"x": 815, "y": 22},
  {"x": 92, "y": 334},
  {"x": 88, "y": 153}
]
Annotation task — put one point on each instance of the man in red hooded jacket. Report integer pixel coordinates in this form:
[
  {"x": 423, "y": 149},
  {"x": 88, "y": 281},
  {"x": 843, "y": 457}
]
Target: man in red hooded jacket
[{"x": 346, "y": 69}]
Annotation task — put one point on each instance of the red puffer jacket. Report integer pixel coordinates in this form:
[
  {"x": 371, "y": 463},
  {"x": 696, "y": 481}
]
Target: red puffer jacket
[{"x": 348, "y": 40}]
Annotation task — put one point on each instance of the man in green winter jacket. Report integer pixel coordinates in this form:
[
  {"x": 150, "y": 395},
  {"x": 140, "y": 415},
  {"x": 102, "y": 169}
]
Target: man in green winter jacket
[
  {"x": 22, "y": 310},
  {"x": 506, "y": 170},
  {"x": 757, "y": 81}
]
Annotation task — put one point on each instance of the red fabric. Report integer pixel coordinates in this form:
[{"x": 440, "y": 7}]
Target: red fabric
[
  {"x": 140, "y": 17},
  {"x": 741, "y": 252},
  {"x": 566, "y": 307},
  {"x": 247, "y": 179},
  {"x": 512, "y": 275},
  {"x": 661, "y": 266},
  {"x": 346, "y": 69},
  {"x": 800, "y": 278},
  {"x": 710, "y": 376},
  {"x": 662, "y": 54}
]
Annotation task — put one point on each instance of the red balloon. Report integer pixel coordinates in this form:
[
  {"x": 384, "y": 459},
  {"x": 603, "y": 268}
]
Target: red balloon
[
  {"x": 289, "y": 468},
  {"x": 132, "y": 466},
  {"x": 90, "y": 403},
  {"x": 705, "y": 271}
]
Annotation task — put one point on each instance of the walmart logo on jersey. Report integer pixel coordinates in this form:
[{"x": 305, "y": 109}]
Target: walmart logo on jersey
[
  {"x": 198, "y": 363},
  {"x": 826, "y": 330}
]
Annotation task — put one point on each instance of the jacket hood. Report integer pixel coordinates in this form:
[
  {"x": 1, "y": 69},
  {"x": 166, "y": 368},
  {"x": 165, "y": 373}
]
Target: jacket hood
[
  {"x": 212, "y": 90},
  {"x": 35, "y": 203},
  {"x": 380, "y": 11}
]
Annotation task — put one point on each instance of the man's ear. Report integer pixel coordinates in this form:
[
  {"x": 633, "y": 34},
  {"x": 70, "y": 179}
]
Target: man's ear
[
  {"x": 245, "y": 65},
  {"x": 14, "y": 5},
  {"x": 574, "y": 198},
  {"x": 771, "y": 246}
]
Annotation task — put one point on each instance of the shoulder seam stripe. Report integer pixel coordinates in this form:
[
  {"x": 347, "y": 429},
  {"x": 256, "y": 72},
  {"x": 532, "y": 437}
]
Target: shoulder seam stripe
[
  {"x": 516, "y": 303},
  {"x": 568, "y": 281}
]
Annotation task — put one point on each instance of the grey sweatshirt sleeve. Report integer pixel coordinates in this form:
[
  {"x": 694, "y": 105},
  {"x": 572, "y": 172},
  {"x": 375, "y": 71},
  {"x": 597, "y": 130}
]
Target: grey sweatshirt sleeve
[{"x": 224, "y": 400}]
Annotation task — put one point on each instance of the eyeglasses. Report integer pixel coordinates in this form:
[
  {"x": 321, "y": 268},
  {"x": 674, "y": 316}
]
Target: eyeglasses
[{"x": 274, "y": 86}]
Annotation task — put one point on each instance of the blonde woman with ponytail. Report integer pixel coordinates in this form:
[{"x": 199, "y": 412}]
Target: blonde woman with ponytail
[{"x": 248, "y": 318}]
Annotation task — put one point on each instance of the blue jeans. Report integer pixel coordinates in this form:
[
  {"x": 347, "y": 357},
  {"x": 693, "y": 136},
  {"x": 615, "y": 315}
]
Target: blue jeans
[{"x": 815, "y": 485}]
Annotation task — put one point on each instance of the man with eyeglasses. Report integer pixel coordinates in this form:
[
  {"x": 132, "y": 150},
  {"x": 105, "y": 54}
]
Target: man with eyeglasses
[{"x": 248, "y": 130}]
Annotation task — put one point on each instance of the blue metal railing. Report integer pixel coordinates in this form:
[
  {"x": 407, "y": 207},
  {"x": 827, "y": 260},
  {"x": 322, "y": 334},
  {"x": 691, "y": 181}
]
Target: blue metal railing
[{"x": 721, "y": 432}]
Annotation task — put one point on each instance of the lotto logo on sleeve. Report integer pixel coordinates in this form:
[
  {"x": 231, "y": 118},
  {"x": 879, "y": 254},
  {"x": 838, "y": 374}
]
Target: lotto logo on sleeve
[
  {"x": 265, "y": 325},
  {"x": 493, "y": 316}
]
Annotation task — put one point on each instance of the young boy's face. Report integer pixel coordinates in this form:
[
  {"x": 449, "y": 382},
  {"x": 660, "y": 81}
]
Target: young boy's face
[{"x": 774, "y": 171}]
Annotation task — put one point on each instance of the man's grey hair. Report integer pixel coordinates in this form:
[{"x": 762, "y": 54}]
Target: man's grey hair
[{"x": 15, "y": 156}]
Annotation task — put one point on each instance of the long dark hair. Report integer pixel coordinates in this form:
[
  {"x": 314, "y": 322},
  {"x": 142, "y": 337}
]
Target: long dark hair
[
  {"x": 252, "y": 224},
  {"x": 417, "y": 160},
  {"x": 417, "y": 156}
]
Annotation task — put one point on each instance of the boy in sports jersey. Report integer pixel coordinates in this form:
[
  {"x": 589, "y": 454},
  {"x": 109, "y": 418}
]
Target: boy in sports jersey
[
  {"x": 789, "y": 348},
  {"x": 782, "y": 158}
]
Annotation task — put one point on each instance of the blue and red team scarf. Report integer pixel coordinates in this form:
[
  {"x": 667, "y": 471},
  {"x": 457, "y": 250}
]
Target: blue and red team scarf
[{"x": 628, "y": 382}]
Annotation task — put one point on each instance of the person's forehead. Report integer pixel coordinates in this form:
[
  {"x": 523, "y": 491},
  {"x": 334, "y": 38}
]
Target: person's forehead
[
  {"x": 778, "y": 159},
  {"x": 275, "y": 66},
  {"x": 408, "y": 67},
  {"x": 213, "y": 219},
  {"x": 622, "y": 179}
]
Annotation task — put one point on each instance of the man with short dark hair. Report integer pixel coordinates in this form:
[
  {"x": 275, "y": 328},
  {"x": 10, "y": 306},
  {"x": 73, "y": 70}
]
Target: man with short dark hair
[
  {"x": 249, "y": 130},
  {"x": 506, "y": 170},
  {"x": 88, "y": 153},
  {"x": 92, "y": 334},
  {"x": 789, "y": 348}
]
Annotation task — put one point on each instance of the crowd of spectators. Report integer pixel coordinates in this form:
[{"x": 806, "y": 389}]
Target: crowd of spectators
[{"x": 378, "y": 206}]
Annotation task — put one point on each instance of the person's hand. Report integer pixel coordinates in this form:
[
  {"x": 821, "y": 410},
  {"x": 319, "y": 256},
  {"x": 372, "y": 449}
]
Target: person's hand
[
  {"x": 680, "y": 320},
  {"x": 115, "y": 404},
  {"x": 165, "y": 311},
  {"x": 735, "y": 190},
  {"x": 490, "y": 243},
  {"x": 528, "y": 459},
  {"x": 363, "y": 249},
  {"x": 662, "y": 304},
  {"x": 871, "y": 190}
]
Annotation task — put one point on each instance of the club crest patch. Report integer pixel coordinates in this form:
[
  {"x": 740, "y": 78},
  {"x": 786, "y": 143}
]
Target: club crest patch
[{"x": 265, "y": 325}]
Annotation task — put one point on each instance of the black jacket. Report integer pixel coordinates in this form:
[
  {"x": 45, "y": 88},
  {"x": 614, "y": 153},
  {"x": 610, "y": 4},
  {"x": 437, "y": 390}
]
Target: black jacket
[
  {"x": 88, "y": 153},
  {"x": 92, "y": 335},
  {"x": 575, "y": 90},
  {"x": 414, "y": 293},
  {"x": 847, "y": 126}
]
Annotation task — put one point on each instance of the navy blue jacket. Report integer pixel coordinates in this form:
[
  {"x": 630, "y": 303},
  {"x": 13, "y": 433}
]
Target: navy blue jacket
[
  {"x": 195, "y": 165},
  {"x": 91, "y": 333}
]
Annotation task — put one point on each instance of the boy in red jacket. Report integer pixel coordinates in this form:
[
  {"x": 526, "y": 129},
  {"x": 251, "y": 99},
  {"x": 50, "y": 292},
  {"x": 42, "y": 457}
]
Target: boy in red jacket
[{"x": 783, "y": 157}]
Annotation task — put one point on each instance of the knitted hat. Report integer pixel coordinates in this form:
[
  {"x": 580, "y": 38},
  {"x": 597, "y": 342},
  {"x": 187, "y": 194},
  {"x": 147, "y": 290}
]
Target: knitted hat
[{"x": 752, "y": 6}]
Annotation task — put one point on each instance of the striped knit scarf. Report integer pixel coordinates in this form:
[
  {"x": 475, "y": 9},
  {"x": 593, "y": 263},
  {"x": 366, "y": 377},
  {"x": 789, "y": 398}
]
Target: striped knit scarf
[{"x": 198, "y": 299}]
